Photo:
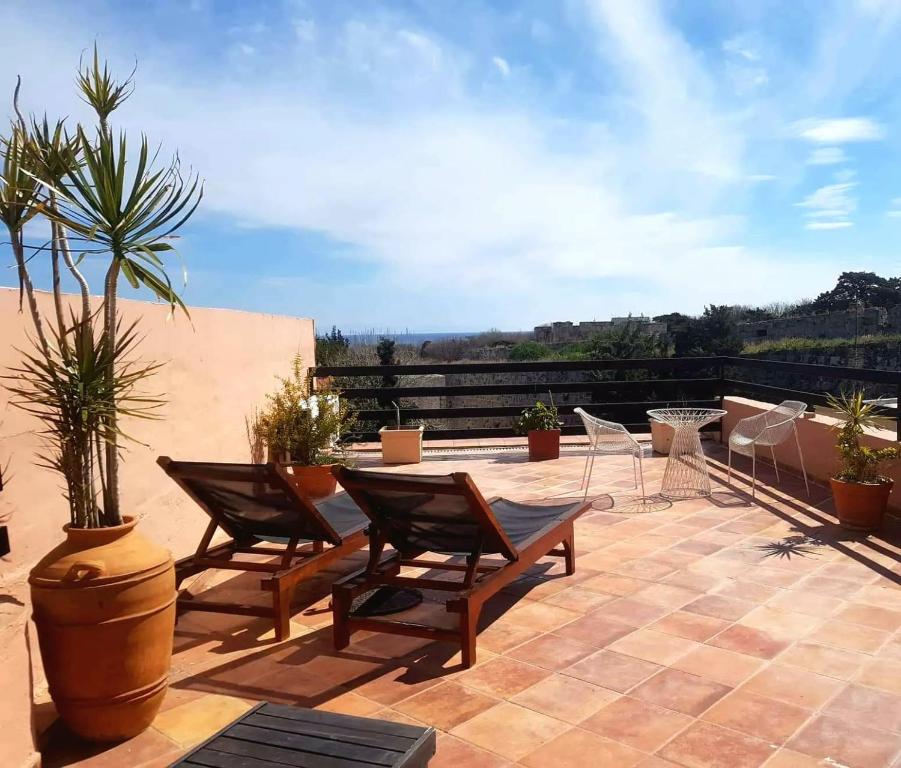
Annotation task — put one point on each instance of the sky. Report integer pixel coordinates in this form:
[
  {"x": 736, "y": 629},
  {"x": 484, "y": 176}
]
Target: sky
[{"x": 456, "y": 165}]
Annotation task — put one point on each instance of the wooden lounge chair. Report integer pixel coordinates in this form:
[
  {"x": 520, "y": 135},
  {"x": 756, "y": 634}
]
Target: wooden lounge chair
[
  {"x": 445, "y": 514},
  {"x": 258, "y": 507}
]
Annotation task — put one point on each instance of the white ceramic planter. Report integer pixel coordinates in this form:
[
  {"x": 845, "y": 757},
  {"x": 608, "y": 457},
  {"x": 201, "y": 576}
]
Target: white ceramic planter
[{"x": 401, "y": 445}]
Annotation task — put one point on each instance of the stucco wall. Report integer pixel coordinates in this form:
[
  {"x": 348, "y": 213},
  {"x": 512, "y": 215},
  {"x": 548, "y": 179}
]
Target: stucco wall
[
  {"x": 817, "y": 439},
  {"x": 219, "y": 363}
]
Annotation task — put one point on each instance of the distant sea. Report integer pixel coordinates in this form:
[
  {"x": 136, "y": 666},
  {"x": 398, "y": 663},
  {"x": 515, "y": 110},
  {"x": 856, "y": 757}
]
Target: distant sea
[{"x": 413, "y": 339}]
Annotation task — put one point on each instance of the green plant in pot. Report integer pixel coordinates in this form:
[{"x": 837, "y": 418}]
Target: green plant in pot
[
  {"x": 301, "y": 429},
  {"x": 859, "y": 488},
  {"x": 541, "y": 424},
  {"x": 104, "y": 599}
]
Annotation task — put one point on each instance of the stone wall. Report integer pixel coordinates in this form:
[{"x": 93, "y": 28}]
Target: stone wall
[
  {"x": 827, "y": 325},
  {"x": 562, "y": 332}
]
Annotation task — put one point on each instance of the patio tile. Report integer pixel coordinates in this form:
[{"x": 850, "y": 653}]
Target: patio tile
[
  {"x": 767, "y": 719},
  {"x": 709, "y": 746},
  {"x": 882, "y": 673},
  {"x": 810, "y": 603},
  {"x": 636, "y": 723},
  {"x": 681, "y": 691},
  {"x": 452, "y": 752},
  {"x": 612, "y": 584},
  {"x": 781, "y": 624},
  {"x": 719, "y": 665},
  {"x": 726, "y": 608},
  {"x": 793, "y": 686},
  {"x": 570, "y": 750},
  {"x": 612, "y": 670},
  {"x": 501, "y": 636},
  {"x": 502, "y": 677},
  {"x": 551, "y": 652},
  {"x": 750, "y": 641},
  {"x": 833, "y": 662},
  {"x": 632, "y": 612},
  {"x": 691, "y": 626},
  {"x": 837, "y": 740},
  {"x": 595, "y": 630},
  {"x": 851, "y": 637},
  {"x": 653, "y": 646},
  {"x": 565, "y": 698},
  {"x": 540, "y": 616},
  {"x": 578, "y": 599},
  {"x": 446, "y": 705},
  {"x": 787, "y": 758},
  {"x": 868, "y": 706},
  {"x": 350, "y": 703},
  {"x": 871, "y": 616},
  {"x": 510, "y": 730},
  {"x": 192, "y": 722},
  {"x": 668, "y": 595},
  {"x": 747, "y": 590}
]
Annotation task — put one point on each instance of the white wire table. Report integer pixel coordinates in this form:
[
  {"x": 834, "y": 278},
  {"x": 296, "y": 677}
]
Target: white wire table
[{"x": 685, "y": 476}]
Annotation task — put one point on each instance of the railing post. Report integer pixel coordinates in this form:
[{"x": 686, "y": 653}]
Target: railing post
[{"x": 898, "y": 412}]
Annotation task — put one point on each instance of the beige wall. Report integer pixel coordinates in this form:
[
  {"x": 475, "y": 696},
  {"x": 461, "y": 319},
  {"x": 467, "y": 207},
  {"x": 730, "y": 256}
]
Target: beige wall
[
  {"x": 817, "y": 439},
  {"x": 219, "y": 364}
]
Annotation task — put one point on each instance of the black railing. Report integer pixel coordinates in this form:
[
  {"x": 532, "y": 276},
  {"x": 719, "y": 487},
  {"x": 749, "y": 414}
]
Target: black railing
[{"x": 618, "y": 390}]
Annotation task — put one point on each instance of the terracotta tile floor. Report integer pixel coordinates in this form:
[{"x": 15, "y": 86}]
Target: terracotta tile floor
[{"x": 725, "y": 632}]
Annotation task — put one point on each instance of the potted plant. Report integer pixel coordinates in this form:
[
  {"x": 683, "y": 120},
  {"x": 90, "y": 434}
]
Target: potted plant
[
  {"x": 301, "y": 429},
  {"x": 401, "y": 443},
  {"x": 859, "y": 489},
  {"x": 104, "y": 599},
  {"x": 542, "y": 425}
]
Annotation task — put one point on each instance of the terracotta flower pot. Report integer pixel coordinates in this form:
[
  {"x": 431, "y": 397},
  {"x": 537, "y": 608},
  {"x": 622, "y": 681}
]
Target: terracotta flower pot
[
  {"x": 401, "y": 445},
  {"x": 860, "y": 506},
  {"x": 314, "y": 482},
  {"x": 544, "y": 444},
  {"x": 104, "y": 608}
]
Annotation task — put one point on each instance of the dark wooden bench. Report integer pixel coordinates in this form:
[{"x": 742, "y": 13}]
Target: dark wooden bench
[{"x": 274, "y": 736}]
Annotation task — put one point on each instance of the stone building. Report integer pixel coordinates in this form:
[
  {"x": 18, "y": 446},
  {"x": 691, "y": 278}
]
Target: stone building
[{"x": 563, "y": 332}]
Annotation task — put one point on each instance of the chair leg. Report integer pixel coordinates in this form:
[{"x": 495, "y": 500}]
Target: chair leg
[
  {"x": 801, "y": 456},
  {"x": 641, "y": 476},
  {"x": 754, "y": 474},
  {"x": 585, "y": 472},
  {"x": 569, "y": 553},
  {"x": 729, "y": 469},
  {"x": 588, "y": 481},
  {"x": 281, "y": 606},
  {"x": 775, "y": 465},
  {"x": 634, "y": 472},
  {"x": 341, "y": 602},
  {"x": 469, "y": 619}
]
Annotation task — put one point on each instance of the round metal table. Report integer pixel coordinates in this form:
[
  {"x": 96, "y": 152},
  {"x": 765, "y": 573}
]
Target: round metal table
[{"x": 685, "y": 476}]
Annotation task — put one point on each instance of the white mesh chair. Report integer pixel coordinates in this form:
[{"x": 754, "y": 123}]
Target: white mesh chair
[
  {"x": 608, "y": 437},
  {"x": 770, "y": 428}
]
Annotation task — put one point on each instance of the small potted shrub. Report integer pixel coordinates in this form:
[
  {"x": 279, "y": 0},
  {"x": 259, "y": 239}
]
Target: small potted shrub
[
  {"x": 860, "y": 491},
  {"x": 542, "y": 426},
  {"x": 301, "y": 428},
  {"x": 401, "y": 443}
]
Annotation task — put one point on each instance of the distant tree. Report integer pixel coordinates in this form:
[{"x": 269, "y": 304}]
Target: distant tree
[
  {"x": 331, "y": 349},
  {"x": 529, "y": 350},
  {"x": 716, "y": 332},
  {"x": 385, "y": 350},
  {"x": 623, "y": 342},
  {"x": 853, "y": 288}
]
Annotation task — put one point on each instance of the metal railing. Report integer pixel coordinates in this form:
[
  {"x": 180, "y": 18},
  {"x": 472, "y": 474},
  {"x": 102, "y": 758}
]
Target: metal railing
[{"x": 617, "y": 390}]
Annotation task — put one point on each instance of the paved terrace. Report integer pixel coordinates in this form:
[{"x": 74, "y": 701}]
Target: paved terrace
[{"x": 718, "y": 633}]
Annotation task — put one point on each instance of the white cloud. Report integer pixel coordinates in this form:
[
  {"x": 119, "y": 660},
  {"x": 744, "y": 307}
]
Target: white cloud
[
  {"x": 840, "y": 130},
  {"x": 740, "y": 46},
  {"x": 830, "y": 207},
  {"x": 894, "y": 208},
  {"x": 502, "y": 65},
  {"x": 306, "y": 30},
  {"x": 827, "y": 156}
]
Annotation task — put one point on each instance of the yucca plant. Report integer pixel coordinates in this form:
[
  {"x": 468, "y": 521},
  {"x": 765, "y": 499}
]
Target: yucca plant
[
  {"x": 860, "y": 463},
  {"x": 104, "y": 199}
]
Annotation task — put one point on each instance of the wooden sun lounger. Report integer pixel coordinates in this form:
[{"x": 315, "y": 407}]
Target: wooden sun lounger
[
  {"x": 445, "y": 514},
  {"x": 258, "y": 506}
]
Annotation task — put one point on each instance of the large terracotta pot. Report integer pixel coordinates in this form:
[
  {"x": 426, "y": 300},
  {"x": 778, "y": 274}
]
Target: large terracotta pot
[
  {"x": 314, "y": 482},
  {"x": 104, "y": 608},
  {"x": 860, "y": 506},
  {"x": 544, "y": 444}
]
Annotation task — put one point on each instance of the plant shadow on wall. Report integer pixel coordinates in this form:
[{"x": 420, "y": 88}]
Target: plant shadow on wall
[{"x": 110, "y": 200}]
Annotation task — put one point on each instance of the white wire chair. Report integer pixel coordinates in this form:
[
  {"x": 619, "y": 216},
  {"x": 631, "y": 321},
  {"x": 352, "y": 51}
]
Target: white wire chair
[
  {"x": 770, "y": 428},
  {"x": 608, "y": 437}
]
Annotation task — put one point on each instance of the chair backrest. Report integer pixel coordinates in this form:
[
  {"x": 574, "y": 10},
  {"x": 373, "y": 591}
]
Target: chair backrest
[
  {"x": 608, "y": 435},
  {"x": 250, "y": 501},
  {"x": 438, "y": 513}
]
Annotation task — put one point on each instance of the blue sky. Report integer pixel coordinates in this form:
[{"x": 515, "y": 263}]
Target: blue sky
[{"x": 458, "y": 165}]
